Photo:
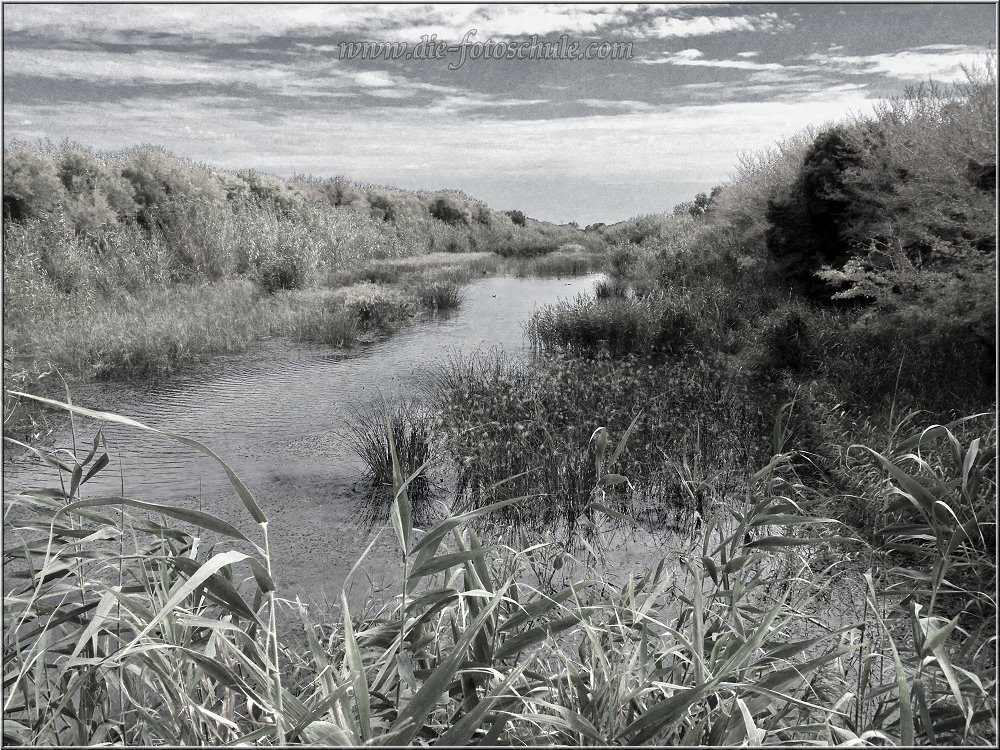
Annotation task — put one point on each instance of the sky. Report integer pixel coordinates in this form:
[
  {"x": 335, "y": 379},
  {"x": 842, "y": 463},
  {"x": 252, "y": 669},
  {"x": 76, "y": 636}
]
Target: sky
[{"x": 269, "y": 87}]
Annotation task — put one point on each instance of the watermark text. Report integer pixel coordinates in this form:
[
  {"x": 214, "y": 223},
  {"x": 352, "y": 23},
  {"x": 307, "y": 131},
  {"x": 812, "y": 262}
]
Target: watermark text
[{"x": 431, "y": 48}]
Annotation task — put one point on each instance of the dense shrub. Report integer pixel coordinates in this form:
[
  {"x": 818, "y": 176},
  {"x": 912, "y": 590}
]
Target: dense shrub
[
  {"x": 31, "y": 185},
  {"x": 808, "y": 219},
  {"x": 281, "y": 273},
  {"x": 785, "y": 342},
  {"x": 621, "y": 260},
  {"x": 642, "y": 229},
  {"x": 450, "y": 209},
  {"x": 272, "y": 191},
  {"x": 517, "y": 217},
  {"x": 383, "y": 207}
]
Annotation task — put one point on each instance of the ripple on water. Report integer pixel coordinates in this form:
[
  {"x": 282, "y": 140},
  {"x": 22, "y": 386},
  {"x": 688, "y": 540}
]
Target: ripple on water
[{"x": 278, "y": 417}]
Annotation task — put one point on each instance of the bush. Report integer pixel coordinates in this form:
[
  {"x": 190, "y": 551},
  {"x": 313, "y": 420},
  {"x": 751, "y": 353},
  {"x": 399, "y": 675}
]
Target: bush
[
  {"x": 784, "y": 341},
  {"x": 31, "y": 185},
  {"x": 271, "y": 191},
  {"x": 621, "y": 260},
  {"x": 450, "y": 209},
  {"x": 517, "y": 217},
  {"x": 916, "y": 356},
  {"x": 281, "y": 273},
  {"x": 808, "y": 219},
  {"x": 383, "y": 207}
]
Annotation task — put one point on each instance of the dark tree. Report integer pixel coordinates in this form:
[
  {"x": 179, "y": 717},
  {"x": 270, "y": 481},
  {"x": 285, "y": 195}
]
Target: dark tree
[
  {"x": 807, "y": 221},
  {"x": 517, "y": 217}
]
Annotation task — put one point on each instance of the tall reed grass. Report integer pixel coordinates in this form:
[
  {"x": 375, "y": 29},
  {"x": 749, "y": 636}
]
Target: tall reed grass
[
  {"x": 504, "y": 418},
  {"x": 133, "y": 622},
  {"x": 388, "y": 433}
]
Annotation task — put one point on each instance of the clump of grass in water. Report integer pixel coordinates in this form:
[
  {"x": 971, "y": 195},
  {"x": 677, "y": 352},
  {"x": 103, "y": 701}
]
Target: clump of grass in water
[
  {"x": 385, "y": 427},
  {"x": 441, "y": 294},
  {"x": 610, "y": 288}
]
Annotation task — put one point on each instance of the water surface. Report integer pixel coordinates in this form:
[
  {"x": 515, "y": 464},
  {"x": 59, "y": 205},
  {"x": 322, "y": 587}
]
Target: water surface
[{"x": 278, "y": 419}]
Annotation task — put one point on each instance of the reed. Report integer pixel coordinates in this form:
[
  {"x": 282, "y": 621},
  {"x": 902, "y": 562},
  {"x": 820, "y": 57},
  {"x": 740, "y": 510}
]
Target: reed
[
  {"x": 388, "y": 433},
  {"x": 132, "y": 622}
]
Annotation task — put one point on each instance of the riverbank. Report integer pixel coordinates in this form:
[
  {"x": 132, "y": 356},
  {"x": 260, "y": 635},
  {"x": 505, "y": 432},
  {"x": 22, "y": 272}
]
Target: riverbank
[{"x": 135, "y": 264}]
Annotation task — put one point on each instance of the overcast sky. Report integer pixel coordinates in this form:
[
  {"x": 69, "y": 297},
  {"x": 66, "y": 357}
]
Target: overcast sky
[{"x": 265, "y": 87}]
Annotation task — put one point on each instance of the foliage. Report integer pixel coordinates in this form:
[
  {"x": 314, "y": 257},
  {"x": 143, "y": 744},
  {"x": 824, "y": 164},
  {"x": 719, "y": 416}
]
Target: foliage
[
  {"x": 92, "y": 238},
  {"x": 272, "y": 191},
  {"x": 517, "y": 217},
  {"x": 31, "y": 185},
  {"x": 502, "y": 419},
  {"x": 139, "y": 623},
  {"x": 806, "y": 223},
  {"x": 280, "y": 273},
  {"x": 450, "y": 209}
]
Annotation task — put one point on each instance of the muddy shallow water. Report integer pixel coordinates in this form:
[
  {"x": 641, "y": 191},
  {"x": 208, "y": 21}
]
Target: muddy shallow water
[{"x": 278, "y": 418}]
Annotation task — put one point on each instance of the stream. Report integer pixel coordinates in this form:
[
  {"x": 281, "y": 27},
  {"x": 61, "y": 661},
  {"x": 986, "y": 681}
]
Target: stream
[{"x": 278, "y": 417}]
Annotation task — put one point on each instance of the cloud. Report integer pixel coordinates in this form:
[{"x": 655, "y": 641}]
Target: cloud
[
  {"x": 374, "y": 79},
  {"x": 97, "y": 23},
  {"x": 130, "y": 75},
  {"x": 689, "y": 54},
  {"x": 155, "y": 66},
  {"x": 628, "y": 105},
  {"x": 669, "y": 27},
  {"x": 654, "y": 143},
  {"x": 747, "y": 54},
  {"x": 695, "y": 58},
  {"x": 940, "y": 61}
]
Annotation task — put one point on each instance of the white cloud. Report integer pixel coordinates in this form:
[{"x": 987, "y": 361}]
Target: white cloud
[
  {"x": 344, "y": 22},
  {"x": 667, "y": 27},
  {"x": 698, "y": 60},
  {"x": 154, "y": 66},
  {"x": 940, "y": 61},
  {"x": 747, "y": 54},
  {"x": 663, "y": 143},
  {"x": 620, "y": 104},
  {"x": 310, "y": 78},
  {"x": 689, "y": 54},
  {"x": 374, "y": 79}
]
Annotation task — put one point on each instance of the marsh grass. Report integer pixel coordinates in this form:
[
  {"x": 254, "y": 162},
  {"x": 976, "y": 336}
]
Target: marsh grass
[
  {"x": 567, "y": 260},
  {"x": 504, "y": 418},
  {"x": 611, "y": 288},
  {"x": 180, "y": 326},
  {"x": 440, "y": 295},
  {"x": 318, "y": 316},
  {"x": 386, "y": 429},
  {"x": 137, "y": 623},
  {"x": 617, "y": 325}
]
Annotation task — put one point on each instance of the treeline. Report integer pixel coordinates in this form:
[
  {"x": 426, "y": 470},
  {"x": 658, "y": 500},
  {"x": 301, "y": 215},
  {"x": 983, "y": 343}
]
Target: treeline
[
  {"x": 78, "y": 218},
  {"x": 864, "y": 252}
]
